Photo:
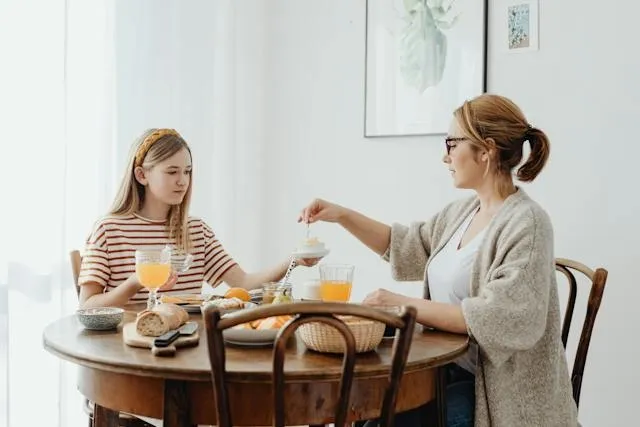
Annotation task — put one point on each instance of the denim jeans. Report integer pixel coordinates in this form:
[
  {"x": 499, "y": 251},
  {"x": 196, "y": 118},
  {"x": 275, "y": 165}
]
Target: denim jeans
[{"x": 460, "y": 400}]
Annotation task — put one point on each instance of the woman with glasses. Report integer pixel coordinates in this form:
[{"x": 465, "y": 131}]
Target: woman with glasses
[{"x": 487, "y": 263}]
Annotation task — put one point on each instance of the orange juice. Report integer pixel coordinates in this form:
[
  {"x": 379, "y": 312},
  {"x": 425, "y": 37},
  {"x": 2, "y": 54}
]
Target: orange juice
[
  {"x": 335, "y": 290},
  {"x": 151, "y": 275}
]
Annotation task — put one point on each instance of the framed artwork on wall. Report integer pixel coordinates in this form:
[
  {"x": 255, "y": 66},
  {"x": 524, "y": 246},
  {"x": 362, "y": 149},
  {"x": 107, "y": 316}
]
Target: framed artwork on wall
[
  {"x": 423, "y": 59},
  {"x": 519, "y": 27}
]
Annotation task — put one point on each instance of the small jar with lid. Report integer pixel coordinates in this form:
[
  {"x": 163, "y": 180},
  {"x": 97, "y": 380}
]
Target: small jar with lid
[
  {"x": 276, "y": 292},
  {"x": 269, "y": 292},
  {"x": 283, "y": 293}
]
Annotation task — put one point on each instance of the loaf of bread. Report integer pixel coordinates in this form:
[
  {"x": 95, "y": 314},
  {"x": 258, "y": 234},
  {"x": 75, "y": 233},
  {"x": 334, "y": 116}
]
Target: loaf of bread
[{"x": 160, "y": 320}]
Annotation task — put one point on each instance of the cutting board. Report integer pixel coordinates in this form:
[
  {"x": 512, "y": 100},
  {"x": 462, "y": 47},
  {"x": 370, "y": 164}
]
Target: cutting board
[{"x": 132, "y": 338}]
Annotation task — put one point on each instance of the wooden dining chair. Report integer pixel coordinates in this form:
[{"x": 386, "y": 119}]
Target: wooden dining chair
[
  {"x": 308, "y": 312},
  {"x": 76, "y": 263},
  {"x": 125, "y": 420},
  {"x": 567, "y": 267},
  {"x": 598, "y": 280}
]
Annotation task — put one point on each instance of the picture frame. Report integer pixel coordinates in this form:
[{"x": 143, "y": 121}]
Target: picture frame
[
  {"x": 423, "y": 60},
  {"x": 520, "y": 28}
]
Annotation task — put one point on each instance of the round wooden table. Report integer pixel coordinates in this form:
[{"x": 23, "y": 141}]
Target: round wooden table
[{"x": 179, "y": 390}]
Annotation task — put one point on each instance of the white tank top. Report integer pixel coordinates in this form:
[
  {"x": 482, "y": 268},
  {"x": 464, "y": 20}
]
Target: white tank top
[{"x": 449, "y": 277}]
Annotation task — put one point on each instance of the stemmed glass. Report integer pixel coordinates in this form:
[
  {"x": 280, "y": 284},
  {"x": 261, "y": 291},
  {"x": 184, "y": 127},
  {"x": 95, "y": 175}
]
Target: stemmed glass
[
  {"x": 180, "y": 260},
  {"x": 153, "y": 268}
]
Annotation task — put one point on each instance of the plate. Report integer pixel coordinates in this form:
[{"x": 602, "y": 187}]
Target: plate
[
  {"x": 249, "y": 344},
  {"x": 317, "y": 254},
  {"x": 241, "y": 336},
  {"x": 183, "y": 299},
  {"x": 197, "y": 308}
]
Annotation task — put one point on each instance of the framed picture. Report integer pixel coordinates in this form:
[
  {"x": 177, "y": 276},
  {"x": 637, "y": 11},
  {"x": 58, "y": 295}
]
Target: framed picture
[
  {"x": 520, "y": 25},
  {"x": 424, "y": 58}
]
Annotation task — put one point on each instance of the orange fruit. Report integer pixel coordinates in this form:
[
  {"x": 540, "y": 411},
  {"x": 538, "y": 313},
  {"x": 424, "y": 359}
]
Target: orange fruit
[{"x": 239, "y": 293}]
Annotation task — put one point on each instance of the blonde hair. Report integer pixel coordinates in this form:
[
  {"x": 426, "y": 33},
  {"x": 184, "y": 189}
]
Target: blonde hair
[
  {"x": 152, "y": 147},
  {"x": 495, "y": 123}
]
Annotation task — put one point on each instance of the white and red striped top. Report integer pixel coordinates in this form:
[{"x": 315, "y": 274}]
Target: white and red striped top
[{"x": 109, "y": 256}]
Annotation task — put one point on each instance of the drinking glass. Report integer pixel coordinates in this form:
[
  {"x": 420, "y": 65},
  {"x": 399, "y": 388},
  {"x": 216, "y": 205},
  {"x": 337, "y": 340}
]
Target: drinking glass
[
  {"x": 180, "y": 260},
  {"x": 153, "y": 268},
  {"x": 335, "y": 282}
]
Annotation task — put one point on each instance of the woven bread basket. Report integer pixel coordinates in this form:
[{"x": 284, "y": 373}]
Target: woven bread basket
[{"x": 326, "y": 339}]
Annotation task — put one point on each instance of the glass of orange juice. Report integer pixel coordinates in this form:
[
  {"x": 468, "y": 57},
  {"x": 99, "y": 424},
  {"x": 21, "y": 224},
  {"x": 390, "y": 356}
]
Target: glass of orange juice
[
  {"x": 335, "y": 282},
  {"x": 153, "y": 268}
]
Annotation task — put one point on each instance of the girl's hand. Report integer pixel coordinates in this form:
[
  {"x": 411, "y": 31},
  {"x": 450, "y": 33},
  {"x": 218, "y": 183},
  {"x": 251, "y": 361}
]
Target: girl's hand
[
  {"x": 308, "y": 262},
  {"x": 171, "y": 281}
]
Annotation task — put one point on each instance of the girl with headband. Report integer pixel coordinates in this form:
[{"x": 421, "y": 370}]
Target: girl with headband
[{"x": 151, "y": 209}]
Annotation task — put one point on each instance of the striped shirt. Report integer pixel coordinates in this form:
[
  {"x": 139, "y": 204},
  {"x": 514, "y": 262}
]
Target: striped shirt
[{"x": 109, "y": 255}]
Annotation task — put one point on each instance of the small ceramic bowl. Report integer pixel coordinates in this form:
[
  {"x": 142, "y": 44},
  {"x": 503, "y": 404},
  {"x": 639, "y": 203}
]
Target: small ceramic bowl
[{"x": 100, "y": 318}]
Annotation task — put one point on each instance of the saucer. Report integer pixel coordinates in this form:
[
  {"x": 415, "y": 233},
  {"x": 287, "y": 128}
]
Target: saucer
[{"x": 310, "y": 254}]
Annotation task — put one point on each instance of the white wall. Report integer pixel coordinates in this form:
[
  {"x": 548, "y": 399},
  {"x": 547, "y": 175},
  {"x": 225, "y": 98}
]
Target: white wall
[
  {"x": 270, "y": 96},
  {"x": 579, "y": 87}
]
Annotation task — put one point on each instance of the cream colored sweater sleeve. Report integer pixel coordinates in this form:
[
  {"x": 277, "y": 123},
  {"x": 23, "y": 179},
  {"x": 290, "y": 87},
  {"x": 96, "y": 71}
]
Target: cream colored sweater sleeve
[
  {"x": 411, "y": 246},
  {"x": 409, "y": 250}
]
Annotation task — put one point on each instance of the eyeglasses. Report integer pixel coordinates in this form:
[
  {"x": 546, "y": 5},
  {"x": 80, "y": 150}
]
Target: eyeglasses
[{"x": 451, "y": 142}]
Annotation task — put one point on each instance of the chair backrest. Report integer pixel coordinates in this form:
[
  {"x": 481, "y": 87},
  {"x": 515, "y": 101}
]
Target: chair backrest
[
  {"x": 76, "y": 262},
  {"x": 598, "y": 280},
  {"x": 307, "y": 312}
]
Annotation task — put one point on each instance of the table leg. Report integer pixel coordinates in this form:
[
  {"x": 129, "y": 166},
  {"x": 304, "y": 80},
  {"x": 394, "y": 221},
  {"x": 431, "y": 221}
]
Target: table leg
[
  {"x": 105, "y": 417},
  {"x": 176, "y": 405},
  {"x": 441, "y": 398}
]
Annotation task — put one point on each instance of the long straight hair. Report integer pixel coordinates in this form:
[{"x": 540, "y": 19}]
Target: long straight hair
[{"x": 131, "y": 193}]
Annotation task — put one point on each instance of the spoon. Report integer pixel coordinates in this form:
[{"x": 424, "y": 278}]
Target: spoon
[{"x": 292, "y": 265}]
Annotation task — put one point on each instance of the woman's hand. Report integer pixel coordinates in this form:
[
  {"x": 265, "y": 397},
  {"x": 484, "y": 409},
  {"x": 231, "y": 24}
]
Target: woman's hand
[
  {"x": 321, "y": 210},
  {"x": 383, "y": 297}
]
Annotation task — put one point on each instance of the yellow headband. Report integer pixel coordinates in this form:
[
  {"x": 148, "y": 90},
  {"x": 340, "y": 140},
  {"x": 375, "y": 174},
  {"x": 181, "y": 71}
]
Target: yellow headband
[{"x": 150, "y": 140}]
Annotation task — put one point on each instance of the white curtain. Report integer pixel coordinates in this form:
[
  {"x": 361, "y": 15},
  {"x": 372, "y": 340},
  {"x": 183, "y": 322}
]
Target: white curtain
[
  {"x": 56, "y": 103},
  {"x": 79, "y": 80}
]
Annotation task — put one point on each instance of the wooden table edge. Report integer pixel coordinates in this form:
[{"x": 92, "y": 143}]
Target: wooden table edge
[{"x": 240, "y": 376}]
